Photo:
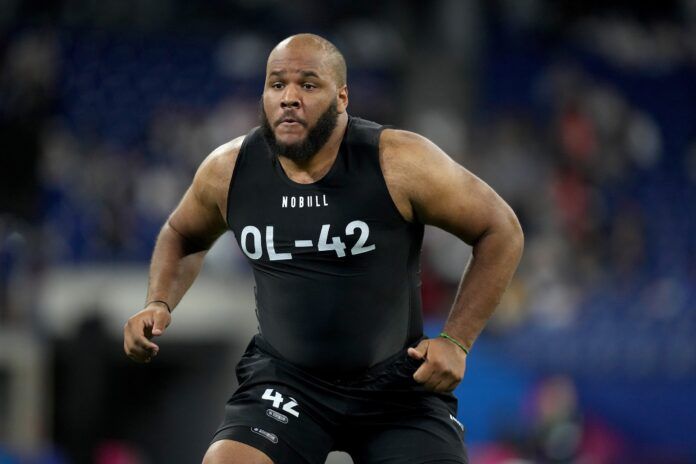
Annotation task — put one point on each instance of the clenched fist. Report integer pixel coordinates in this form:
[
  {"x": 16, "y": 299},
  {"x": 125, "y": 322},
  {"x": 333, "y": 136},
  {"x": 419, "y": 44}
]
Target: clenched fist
[
  {"x": 141, "y": 328},
  {"x": 443, "y": 365}
]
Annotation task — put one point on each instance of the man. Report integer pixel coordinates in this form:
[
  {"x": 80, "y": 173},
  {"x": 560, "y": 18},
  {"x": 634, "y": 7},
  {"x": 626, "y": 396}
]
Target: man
[{"x": 329, "y": 210}]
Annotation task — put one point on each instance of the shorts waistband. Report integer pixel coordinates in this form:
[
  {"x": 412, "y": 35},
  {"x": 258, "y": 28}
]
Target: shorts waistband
[{"x": 338, "y": 378}]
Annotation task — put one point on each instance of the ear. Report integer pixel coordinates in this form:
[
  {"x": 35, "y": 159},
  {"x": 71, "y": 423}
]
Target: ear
[{"x": 342, "y": 99}]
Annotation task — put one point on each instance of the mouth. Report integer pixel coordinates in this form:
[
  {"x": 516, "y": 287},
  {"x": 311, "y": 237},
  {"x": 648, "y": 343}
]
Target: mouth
[{"x": 289, "y": 121}]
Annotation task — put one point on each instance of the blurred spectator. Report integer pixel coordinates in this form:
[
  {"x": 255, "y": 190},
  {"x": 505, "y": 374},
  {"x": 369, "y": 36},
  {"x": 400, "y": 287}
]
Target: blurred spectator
[{"x": 27, "y": 98}]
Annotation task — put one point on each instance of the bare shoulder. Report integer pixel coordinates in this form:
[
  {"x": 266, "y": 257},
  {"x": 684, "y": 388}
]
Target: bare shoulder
[
  {"x": 215, "y": 172},
  {"x": 200, "y": 215},
  {"x": 409, "y": 163},
  {"x": 217, "y": 167},
  {"x": 436, "y": 190},
  {"x": 409, "y": 144}
]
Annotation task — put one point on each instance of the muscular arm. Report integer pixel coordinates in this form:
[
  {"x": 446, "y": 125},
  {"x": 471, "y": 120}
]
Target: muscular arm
[
  {"x": 190, "y": 231},
  {"x": 430, "y": 187},
  {"x": 192, "y": 228}
]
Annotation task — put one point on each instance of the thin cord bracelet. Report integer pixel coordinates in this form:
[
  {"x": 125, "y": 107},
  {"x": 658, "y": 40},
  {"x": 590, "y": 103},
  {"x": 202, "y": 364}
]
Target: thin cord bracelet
[
  {"x": 160, "y": 301},
  {"x": 456, "y": 342}
]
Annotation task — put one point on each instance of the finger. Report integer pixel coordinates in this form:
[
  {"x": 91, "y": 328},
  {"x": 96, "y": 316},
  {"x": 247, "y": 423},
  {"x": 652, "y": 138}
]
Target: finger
[
  {"x": 145, "y": 344},
  {"x": 419, "y": 352},
  {"x": 160, "y": 323},
  {"x": 130, "y": 347},
  {"x": 456, "y": 380},
  {"x": 141, "y": 345},
  {"x": 141, "y": 354},
  {"x": 138, "y": 355},
  {"x": 451, "y": 386},
  {"x": 433, "y": 382},
  {"x": 443, "y": 386},
  {"x": 137, "y": 347},
  {"x": 423, "y": 373},
  {"x": 147, "y": 325}
]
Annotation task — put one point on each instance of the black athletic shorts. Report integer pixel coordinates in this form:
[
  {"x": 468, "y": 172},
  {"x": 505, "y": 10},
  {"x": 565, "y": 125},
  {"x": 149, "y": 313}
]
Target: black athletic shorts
[{"x": 382, "y": 416}]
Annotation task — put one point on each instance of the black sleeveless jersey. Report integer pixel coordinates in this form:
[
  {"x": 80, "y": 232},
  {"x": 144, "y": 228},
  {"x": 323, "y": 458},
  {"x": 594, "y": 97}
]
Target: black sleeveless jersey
[{"x": 336, "y": 265}]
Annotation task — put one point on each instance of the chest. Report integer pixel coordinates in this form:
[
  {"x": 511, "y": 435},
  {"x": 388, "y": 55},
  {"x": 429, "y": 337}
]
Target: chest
[{"x": 279, "y": 224}]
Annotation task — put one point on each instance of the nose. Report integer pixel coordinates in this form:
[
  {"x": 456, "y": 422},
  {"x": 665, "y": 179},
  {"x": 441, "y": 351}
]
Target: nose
[{"x": 290, "y": 98}]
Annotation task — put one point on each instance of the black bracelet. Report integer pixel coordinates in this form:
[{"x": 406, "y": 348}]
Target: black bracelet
[{"x": 160, "y": 301}]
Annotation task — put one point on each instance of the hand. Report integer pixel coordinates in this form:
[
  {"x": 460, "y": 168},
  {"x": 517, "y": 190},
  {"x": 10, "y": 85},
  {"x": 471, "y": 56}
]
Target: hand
[
  {"x": 443, "y": 365},
  {"x": 141, "y": 328}
]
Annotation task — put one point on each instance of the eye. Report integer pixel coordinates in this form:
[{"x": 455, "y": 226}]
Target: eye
[
  {"x": 308, "y": 86},
  {"x": 277, "y": 85}
]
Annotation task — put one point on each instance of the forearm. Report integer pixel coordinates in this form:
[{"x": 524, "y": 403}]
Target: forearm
[
  {"x": 175, "y": 265},
  {"x": 494, "y": 260}
]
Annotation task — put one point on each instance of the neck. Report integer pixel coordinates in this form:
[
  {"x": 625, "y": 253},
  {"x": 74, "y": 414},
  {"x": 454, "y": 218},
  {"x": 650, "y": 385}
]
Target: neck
[{"x": 317, "y": 166}]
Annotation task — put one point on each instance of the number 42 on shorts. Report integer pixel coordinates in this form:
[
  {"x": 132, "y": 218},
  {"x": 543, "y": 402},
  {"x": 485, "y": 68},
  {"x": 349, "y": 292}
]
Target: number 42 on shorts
[{"x": 278, "y": 399}]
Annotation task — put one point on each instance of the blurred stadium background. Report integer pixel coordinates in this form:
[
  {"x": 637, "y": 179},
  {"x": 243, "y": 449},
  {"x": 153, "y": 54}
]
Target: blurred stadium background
[{"x": 581, "y": 114}]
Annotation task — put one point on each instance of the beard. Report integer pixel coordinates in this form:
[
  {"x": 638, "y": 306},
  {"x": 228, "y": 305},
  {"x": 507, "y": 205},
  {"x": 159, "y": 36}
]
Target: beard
[{"x": 305, "y": 149}]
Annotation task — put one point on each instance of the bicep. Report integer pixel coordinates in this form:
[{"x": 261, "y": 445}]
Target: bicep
[
  {"x": 197, "y": 220},
  {"x": 199, "y": 215}
]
